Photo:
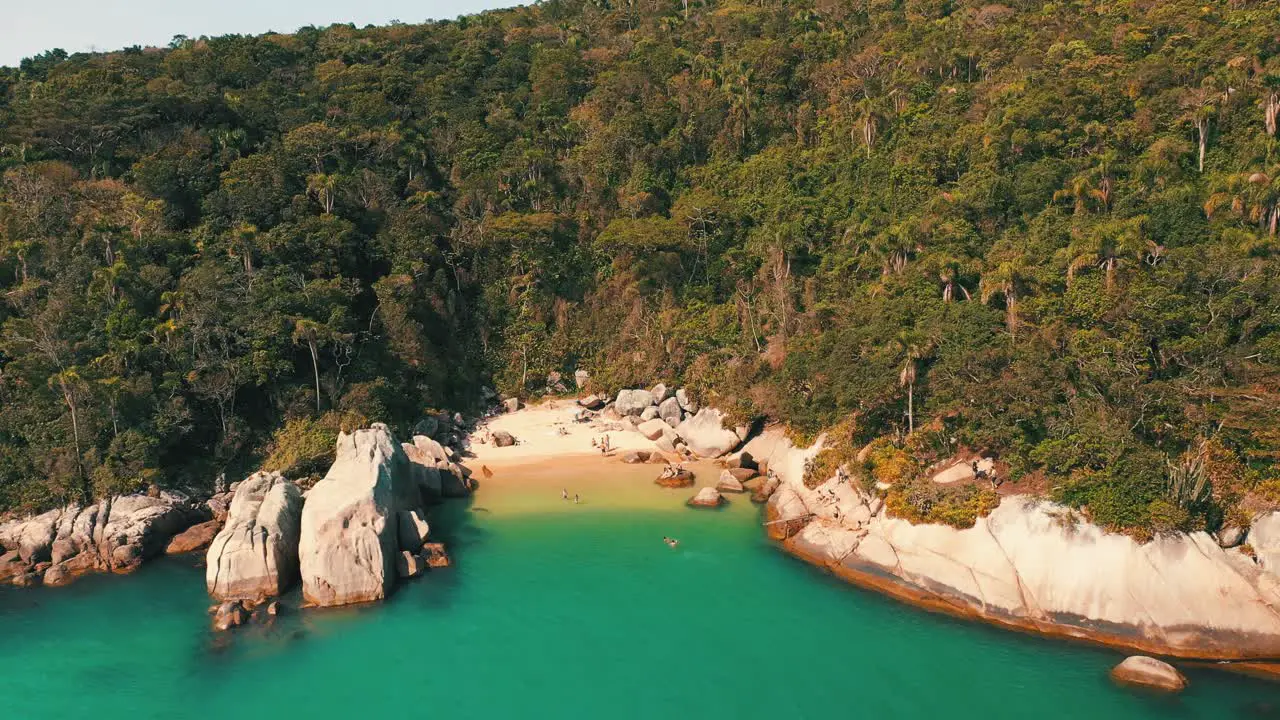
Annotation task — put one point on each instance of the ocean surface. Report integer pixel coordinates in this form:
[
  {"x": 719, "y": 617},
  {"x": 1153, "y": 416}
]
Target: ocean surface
[{"x": 565, "y": 611}]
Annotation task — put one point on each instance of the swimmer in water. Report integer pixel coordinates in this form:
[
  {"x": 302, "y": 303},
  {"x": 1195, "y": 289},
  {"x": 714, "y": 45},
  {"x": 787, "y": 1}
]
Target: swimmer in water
[{"x": 671, "y": 542}]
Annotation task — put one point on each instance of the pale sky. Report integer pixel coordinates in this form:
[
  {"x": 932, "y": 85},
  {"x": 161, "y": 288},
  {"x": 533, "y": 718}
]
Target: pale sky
[{"x": 29, "y": 27}]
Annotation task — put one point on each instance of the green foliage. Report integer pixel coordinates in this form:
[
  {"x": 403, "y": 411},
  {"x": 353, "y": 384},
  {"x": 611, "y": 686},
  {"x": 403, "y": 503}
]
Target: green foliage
[
  {"x": 304, "y": 447},
  {"x": 1055, "y": 241},
  {"x": 921, "y": 500}
]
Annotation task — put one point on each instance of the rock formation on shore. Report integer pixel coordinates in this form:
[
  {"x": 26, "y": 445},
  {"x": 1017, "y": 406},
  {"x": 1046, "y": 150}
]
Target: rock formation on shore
[
  {"x": 256, "y": 553},
  {"x": 113, "y": 535},
  {"x": 1034, "y": 565}
]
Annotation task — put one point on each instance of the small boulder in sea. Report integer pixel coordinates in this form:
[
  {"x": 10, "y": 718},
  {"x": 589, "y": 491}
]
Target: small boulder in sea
[
  {"x": 635, "y": 457},
  {"x": 434, "y": 555},
  {"x": 502, "y": 438},
  {"x": 729, "y": 483},
  {"x": 230, "y": 614},
  {"x": 1149, "y": 672},
  {"x": 706, "y": 497},
  {"x": 673, "y": 477},
  {"x": 409, "y": 564}
]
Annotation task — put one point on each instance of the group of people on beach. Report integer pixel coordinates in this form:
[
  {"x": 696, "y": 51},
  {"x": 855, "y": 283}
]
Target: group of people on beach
[
  {"x": 564, "y": 495},
  {"x": 602, "y": 444},
  {"x": 671, "y": 470}
]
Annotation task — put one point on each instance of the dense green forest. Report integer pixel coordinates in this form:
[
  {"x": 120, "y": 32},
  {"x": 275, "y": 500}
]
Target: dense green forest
[{"x": 1041, "y": 230}]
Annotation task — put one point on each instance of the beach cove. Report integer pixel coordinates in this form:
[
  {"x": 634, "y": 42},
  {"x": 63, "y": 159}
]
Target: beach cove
[{"x": 572, "y": 610}]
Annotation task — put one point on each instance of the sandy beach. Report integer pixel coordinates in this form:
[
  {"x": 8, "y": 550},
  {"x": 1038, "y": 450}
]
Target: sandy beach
[{"x": 546, "y": 431}]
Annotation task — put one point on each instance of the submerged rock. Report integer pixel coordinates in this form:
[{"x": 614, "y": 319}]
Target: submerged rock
[
  {"x": 1149, "y": 672},
  {"x": 256, "y": 554},
  {"x": 230, "y": 614},
  {"x": 435, "y": 556}
]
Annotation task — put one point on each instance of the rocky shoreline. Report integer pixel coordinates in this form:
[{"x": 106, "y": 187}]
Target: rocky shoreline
[
  {"x": 346, "y": 540},
  {"x": 1029, "y": 565}
]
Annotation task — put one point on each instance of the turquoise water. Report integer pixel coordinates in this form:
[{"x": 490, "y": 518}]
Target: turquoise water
[{"x": 567, "y": 612}]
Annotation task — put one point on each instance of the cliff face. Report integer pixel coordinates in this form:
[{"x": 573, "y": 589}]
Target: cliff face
[{"x": 1036, "y": 566}]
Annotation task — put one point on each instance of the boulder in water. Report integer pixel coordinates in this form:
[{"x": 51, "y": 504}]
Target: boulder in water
[
  {"x": 706, "y": 497},
  {"x": 673, "y": 477},
  {"x": 729, "y": 483},
  {"x": 413, "y": 529},
  {"x": 409, "y": 564},
  {"x": 229, "y": 614},
  {"x": 349, "y": 532},
  {"x": 633, "y": 457},
  {"x": 256, "y": 554},
  {"x": 435, "y": 556},
  {"x": 1149, "y": 672}
]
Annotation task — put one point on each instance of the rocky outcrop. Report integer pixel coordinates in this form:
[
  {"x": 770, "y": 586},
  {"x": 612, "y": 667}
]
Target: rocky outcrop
[
  {"x": 349, "y": 524},
  {"x": 229, "y": 614},
  {"x": 705, "y": 435},
  {"x": 114, "y": 535},
  {"x": 674, "y": 477},
  {"x": 1149, "y": 672},
  {"x": 434, "y": 470},
  {"x": 1037, "y": 566},
  {"x": 256, "y": 554}
]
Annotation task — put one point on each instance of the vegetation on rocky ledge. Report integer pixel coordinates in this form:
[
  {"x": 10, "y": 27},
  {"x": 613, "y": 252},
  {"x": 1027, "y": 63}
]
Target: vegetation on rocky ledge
[{"x": 1044, "y": 231}]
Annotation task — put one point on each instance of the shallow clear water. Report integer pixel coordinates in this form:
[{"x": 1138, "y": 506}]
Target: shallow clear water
[{"x": 571, "y": 612}]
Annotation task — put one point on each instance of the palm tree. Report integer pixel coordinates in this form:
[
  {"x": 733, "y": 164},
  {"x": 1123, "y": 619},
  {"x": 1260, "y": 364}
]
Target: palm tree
[
  {"x": 913, "y": 351},
  {"x": 1251, "y": 196},
  {"x": 1008, "y": 279},
  {"x": 1107, "y": 245},
  {"x": 1200, "y": 106},
  {"x": 895, "y": 246}
]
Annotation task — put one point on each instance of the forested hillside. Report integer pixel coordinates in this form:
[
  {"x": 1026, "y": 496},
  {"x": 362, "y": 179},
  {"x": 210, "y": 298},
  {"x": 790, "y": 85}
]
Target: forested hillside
[{"x": 1042, "y": 230}]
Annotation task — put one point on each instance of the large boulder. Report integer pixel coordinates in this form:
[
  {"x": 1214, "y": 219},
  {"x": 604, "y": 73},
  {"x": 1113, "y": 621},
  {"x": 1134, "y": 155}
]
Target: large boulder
[
  {"x": 729, "y": 483},
  {"x": 349, "y": 531},
  {"x": 1149, "y": 672},
  {"x": 412, "y": 529},
  {"x": 706, "y": 497},
  {"x": 435, "y": 471},
  {"x": 1264, "y": 536},
  {"x": 633, "y": 402},
  {"x": 705, "y": 435},
  {"x": 650, "y": 413},
  {"x": 660, "y": 393},
  {"x": 652, "y": 429},
  {"x": 686, "y": 402},
  {"x": 669, "y": 411},
  {"x": 256, "y": 553}
]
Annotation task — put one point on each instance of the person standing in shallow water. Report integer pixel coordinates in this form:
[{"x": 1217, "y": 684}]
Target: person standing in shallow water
[
  {"x": 576, "y": 499},
  {"x": 564, "y": 494}
]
